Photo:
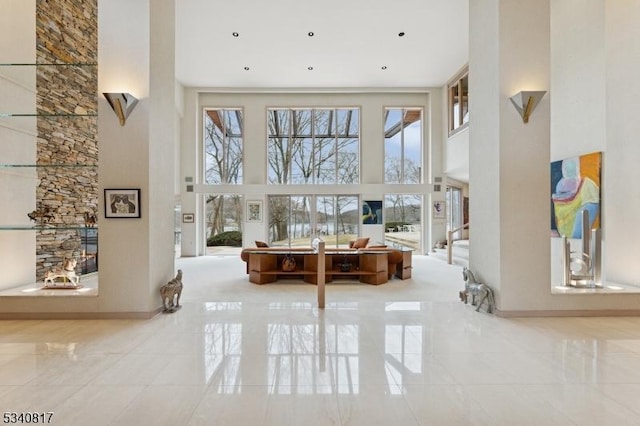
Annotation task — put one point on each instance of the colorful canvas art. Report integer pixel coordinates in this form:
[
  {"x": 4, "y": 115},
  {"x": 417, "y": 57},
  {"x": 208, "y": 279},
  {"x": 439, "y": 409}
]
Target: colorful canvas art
[{"x": 575, "y": 186}]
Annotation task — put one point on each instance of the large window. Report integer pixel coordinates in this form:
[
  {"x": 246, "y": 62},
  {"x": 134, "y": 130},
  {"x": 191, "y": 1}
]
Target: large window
[
  {"x": 313, "y": 146},
  {"x": 459, "y": 102},
  {"x": 402, "y": 219},
  {"x": 223, "y": 146},
  {"x": 223, "y": 214},
  {"x": 454, "y": 210},
  {"x": 295, "y": 219},
  {"x": 403, "y": 145}
]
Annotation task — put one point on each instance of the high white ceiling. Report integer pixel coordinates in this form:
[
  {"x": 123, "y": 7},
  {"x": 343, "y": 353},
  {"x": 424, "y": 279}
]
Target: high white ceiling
[{"x": 353, "y": 40}]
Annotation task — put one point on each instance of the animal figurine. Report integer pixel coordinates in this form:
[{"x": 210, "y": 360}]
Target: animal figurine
[
  {"x": 485, "y": 293},
  {"x": 67, "y": 272},
  {"x": 170, "y": 291},
  {"x": 42, "y": 215},
  {"x": 474, "y": 288},
  {"x": 90, "y": 219},
  {"x": 469, "y": 282}
]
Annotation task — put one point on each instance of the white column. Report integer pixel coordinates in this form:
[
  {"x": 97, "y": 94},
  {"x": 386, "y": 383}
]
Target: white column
[
  {"x": 509, "y": 160},
  {"x": 162, "y": 122},
  {"x": 137, "y": 255}
]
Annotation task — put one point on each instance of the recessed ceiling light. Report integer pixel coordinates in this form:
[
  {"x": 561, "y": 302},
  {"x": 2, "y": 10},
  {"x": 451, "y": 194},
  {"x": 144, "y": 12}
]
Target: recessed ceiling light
[
  {"x": 384, "y": 67},
  {"x": 310, "y": 34},
  {"x": 246, "y": 68},
  {"x": 235, "y": 34},
  {"x": 401, "y": 34},
  {"x": 310, "y": 68}
]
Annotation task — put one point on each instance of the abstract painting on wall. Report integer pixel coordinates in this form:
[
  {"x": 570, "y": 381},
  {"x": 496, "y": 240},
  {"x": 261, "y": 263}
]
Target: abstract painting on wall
[
  {"x": 575, "y": 186},
  {"x": 372, "y": 212}
]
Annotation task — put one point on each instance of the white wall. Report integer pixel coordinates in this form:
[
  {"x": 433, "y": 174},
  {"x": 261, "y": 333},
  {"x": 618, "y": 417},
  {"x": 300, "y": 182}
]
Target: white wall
[
  {"x": 594, "y": 63},
  {"x": 509, "y": 160},
  {"x": 577, "y": 78},
  {"x": 18, "y": 32},
  {"x": 457, "y": 156},
  {"x": 621, "y": 193},
  {"x": 136, "y": 255},
  {"x": 17, "y": 141},
  {"x": 124, "y": 154},
  {"x": 484, "y": 126},
  {"x": 578, "y": 96},
  {"x": 162, "y": 149},
  {"x": 437, "y": 146}
]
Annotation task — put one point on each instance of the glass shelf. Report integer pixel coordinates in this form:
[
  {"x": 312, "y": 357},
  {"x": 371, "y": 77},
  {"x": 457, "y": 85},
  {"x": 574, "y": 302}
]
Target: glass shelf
[
  {"x": 70, "y": 165},
  {"x": 46, "y": 227},
  {"x": 28, "y": 99},
  {"x": 49, "y": 64},
  {"x": 61, "y": 114}
]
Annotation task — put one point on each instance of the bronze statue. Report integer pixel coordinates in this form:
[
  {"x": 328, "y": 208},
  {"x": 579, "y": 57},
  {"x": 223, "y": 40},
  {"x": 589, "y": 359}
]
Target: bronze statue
[{"x": 170, "y": 291}]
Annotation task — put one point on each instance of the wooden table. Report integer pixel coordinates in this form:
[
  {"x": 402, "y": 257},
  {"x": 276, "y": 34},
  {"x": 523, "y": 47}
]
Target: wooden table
[{"x": 368, "y": 266}]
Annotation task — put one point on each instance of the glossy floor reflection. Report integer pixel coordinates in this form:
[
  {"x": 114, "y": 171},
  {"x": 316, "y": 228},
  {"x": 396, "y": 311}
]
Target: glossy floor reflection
[{"x": 403, "y": 353}]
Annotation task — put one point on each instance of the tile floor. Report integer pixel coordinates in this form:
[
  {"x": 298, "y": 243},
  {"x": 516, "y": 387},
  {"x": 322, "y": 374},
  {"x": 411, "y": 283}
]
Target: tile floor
[{"x": 403, "y": 353}]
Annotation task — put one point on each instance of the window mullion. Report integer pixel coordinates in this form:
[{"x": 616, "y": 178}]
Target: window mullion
[
  {"x": 289, "y": 152},
  {"x": 404, "y": 112},
  {"x": 223, "y": 166},
  {"x": 313, "y": 146},
  {"x": 335, "y": 152},
  {"x": 460, "y": 105}
]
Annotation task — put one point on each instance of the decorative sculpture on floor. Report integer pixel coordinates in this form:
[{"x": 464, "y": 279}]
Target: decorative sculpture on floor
[
  {"x": 473, "y": 288},
  {"x": 469, "y": 279},
  {"x": 170, "y": 291},
  {"x": 67, "y": 272}
]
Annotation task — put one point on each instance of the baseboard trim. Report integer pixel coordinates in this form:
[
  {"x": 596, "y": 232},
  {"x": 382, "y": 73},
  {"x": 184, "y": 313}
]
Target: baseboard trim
[
  {"x": 571, "y": 313},
  {"x": 78, "y": 315}
]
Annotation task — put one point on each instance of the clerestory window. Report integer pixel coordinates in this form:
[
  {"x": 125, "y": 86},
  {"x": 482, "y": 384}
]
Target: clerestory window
[
  {"x": 459, "y": 102},
  {"x": 403, "y": 145},
  {"x": 223, "y": 130},
  {"x": 313, "y": 146}
]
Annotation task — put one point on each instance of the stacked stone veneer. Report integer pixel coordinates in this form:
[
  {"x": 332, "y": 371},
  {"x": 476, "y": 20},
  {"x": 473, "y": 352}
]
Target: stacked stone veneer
[{"x": 67, "y": 146}]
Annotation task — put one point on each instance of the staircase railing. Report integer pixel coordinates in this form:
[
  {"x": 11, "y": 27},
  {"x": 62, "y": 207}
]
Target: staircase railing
[{"x": 450, "y": 241}]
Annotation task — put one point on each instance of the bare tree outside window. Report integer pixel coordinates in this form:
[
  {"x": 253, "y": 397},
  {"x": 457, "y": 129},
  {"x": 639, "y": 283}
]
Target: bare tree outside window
[
  {"x": 295, "y": 219},
  {"x": 403, "y": 145},
  {"x": 309, "y": 146},
  {"x": 223, "y": 140},
  {"x": 313, "y": 146}
]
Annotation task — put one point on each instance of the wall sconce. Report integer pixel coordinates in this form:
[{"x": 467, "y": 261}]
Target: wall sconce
[
  {"x": 122, "y": 104},
  {"x": 525, "y": 102}
]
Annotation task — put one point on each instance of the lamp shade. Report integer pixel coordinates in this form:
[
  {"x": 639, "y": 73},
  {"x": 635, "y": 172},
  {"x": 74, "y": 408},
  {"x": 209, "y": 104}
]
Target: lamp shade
[
  {"x": 525, "y": 102},
  {"x": 122, "y": 104}
]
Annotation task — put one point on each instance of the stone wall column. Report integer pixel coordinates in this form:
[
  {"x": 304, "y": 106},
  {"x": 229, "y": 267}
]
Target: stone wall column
[{"x": 67, "y": 146}]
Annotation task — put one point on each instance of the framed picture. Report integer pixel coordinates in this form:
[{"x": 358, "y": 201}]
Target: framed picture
[
  {"x": 372, "y": 212},
  {"x": 121, "y": 203},
  {"x": 254, "y": 211},
  {"x": 438, "y": 210},
  {"x": 188, "y": 217}
]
